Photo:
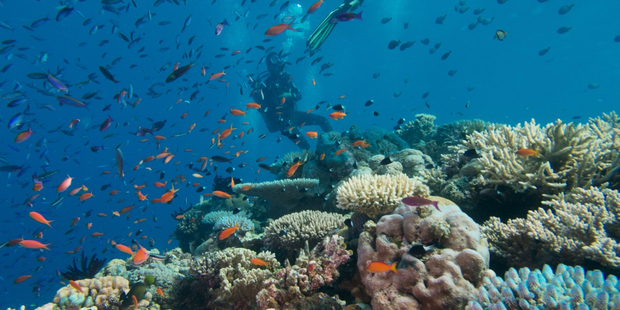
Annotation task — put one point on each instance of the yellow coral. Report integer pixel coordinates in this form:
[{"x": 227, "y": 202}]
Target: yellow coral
[{"x": 374, "y": 194}]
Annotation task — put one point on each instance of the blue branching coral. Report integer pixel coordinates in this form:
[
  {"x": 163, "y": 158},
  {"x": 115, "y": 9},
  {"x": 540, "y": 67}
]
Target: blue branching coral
[{"x": 567, "y": 288}]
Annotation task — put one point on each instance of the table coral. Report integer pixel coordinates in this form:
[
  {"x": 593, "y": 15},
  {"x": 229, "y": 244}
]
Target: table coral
[
  {"x": 583, "y": 225},
  {"x": 290, "y": 232},
  {"x": 283, "y": 194},
  {"x": 443, "y": 278},
  {"x": 374, "y": 194},
  {"x": 312, "y": 271},
  {"x": 567, "y": 288}
]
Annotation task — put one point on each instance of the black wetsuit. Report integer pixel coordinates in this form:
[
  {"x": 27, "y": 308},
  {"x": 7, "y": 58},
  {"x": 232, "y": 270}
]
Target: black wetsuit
[{"x": 282, "y": 117}]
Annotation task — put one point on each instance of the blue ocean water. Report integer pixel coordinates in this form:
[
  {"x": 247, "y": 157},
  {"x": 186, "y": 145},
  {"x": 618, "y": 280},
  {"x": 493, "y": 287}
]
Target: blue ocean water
[{"x": 503, "y": 81}]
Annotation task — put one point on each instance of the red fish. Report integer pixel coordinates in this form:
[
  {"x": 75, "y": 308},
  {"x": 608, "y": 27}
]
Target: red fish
[
  {"x": 419, "y": 201},
  {"x": 527, "y": 152},
  {"x": 278, "y": 29},
  {"x": 141, "y": 256},
  {"x": 314, "y": 7},
  {"x": 22, "y": 279}
]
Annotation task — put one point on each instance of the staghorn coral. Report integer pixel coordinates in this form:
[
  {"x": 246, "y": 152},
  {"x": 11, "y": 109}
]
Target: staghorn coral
[
  {"x": 292, "y": 231},
  {"x": 572, "y": 155},
  {"x": 291, "y": 286},
  {"x": 567, "y": 288},
  {"x": 374, "y": 194},
  {"x": 103, "y": 292},
  {"x": 226, "y": 280},
  {"x": 443, "y": 278},
  {"x": 582, "y": 226}
]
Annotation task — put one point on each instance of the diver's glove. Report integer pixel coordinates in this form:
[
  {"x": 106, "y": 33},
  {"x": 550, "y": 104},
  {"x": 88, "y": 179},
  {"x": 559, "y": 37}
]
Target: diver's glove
[{"x": 320, "y": 34}]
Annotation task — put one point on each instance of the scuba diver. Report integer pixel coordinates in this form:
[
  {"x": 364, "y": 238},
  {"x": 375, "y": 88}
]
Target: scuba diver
[
  {"x": 325, "y": 28},
  {"x": 278, "y": 96}
]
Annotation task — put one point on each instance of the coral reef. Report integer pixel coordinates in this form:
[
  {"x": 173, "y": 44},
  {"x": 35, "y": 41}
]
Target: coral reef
[
  {"x": 374, "y": 194},
  {"x": 420, "y": 129},
  {"x": 571, "y": 155},
  {"x": 581, "y": 226},
  {"x": 290, "y": 232},
  {"x": 225, "y": 280},
  {"x": 567, "y": 288},
  {"x": 441, "y": 278},
  {"x": 408, "y": 161},
  {"x": 103, "y": 292},
  {"x": 312, "y": 271},
  {"x": 284, "y": 195},
  {"x": 86, "y": 270}
]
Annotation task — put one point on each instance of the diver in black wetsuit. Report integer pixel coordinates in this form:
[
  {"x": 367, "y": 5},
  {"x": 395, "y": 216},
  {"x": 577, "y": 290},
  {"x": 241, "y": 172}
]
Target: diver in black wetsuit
[
  {"x": 325, "y": 28},
  {"x": 280, "y": 116}
]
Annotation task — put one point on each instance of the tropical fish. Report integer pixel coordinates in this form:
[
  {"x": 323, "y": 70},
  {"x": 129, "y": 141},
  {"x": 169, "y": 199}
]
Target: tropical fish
[
  {"x": 228, "y": 232},
  {"x": 22, "y": 279},
  {"x": 107, "y": 74},
  {"x": 380, "y": 267},
  {"x": 39, "y": 218},
  {"x": 278, "y": 29},
  {"x": 221, "y": 194},
  {"x": 219, "y": 27},
  {"x": 106, "y": 124},
  {"x": 23, "y": 136},
  {"x": 419, "y": 201},
  {"x": 500, "y": 35},
  {"x": 33, "y": 244},
  {"x": 345, "y": 17},
  {"x": 258, "y": 262},
  {"x": 527, "y": 152},
  {"x": 64, "y": 185},
  {"x": 291, "y": 171},
  {"x": 141, "y": 256},
  {"x": 314, "y": 7},
  {"x": 312, "y": 134},
  {"x": 177, "y": 73}
]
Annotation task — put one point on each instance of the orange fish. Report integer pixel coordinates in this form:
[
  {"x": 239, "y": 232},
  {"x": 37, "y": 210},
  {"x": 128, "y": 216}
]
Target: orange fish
[
  {"x": 39, "y": 218},
  {"x": 312, "y": 134},
  {"x": 226, "y": 132},
  {"x": 22, "y": 279},
  {"x": 252, "y": 105},
  {"x": 278, "y": 29},
  {"x": 76, "y": 286},
  {"x": 64, "y": 185},
  {"x": 313, "y": 82},
  {"x": 74, "y": 191},
  {"x": 73, "y": 122},
  {"x": 258, "y": 262},
  {"x": 228, "y": 231},
  {"x": 217, "y": 75},
  {"x": 236, "y": 112},
  {"x": 124, "y": 249},
  {"x": 96, "y": 234},
  {"x": 89, "y": 225},
  {"x": 167, "y": 196},
  {"x": 113, "y": 192},
  {"x": 380, "y": 267},
  {"x": 141, "y": 197},
  {"x": 168, "y": 158},
  {"x": 33, "y": 244},
  {"x": 126, "y": 209},
  {"x": 337, "y": 115},
  {"x": 160, "y": 292},
  {"x": 527, "y": 152},
  {"x": 291, "y": 171},
  {"x": 314, "y": 7},
  {"x": 37, "y": 187},
  {"x": 140, "y": 256},
  {"x": 359, "y": 143},
  {"x": 160, "y": 184},
  {"x": 338, "y": 152},
  {"x": 246, "y": 187},
  {"x": 23, "y": 136},
  {"x": 322, "y": 156},
  {"x": 86, "y": 196},
  {"x": 221, "y": 194}
]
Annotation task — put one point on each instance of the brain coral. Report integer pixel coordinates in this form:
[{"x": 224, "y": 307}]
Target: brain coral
[
  {"x": 102, "y": 292},
  {"x": 293, "y": 230},
  {"x": 444, "y": 278},
  {"x": 374, "y": 194}
]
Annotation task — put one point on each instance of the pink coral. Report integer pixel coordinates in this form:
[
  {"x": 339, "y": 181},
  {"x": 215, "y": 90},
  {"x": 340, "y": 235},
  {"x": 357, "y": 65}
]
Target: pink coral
[{"x": 444, "y": 278}]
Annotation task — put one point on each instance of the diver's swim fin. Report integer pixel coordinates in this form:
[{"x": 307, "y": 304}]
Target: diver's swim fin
[{"x": 325, "y": 28}]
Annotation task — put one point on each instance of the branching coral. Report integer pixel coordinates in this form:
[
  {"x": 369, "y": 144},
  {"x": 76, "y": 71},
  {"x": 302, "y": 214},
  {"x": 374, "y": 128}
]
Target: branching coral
[
  {"x": 581, "y": 226},
  {"x": 374, "y": 194},
  {"x": 311, "y": 272},
  {"x": 227, "y": 279},
  {"x": 292, "y": 231},
  {"x": 572, "y": 155},
  {"x": 567, "y": 288}
]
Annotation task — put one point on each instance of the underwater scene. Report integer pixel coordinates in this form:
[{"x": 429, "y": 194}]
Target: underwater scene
[{"x": 309, "y": 154}]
